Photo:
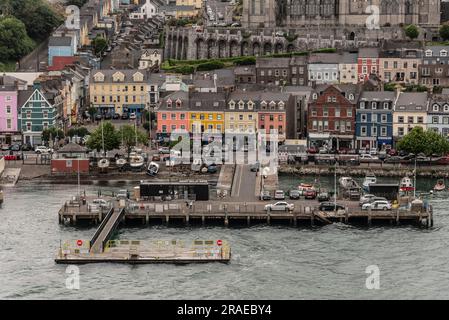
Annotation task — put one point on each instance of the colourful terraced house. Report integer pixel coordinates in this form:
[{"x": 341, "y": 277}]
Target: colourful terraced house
[
  {"x": 36, "y": 114},
  {"x": 207, "y": 112},
  {"x": 173, "y": 113}
]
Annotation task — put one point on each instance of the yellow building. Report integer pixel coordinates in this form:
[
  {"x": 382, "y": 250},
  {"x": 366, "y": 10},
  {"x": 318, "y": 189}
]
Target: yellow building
[
  {"x": 197, "y": 4},
  {"x": 410, "y": 111},
  {"x": 241, "y": 115},
  {"x": 118, "y": 91},
  {"x": 207, "y": 112}
]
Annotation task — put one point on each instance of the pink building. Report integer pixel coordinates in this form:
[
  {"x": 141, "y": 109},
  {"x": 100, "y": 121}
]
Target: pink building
[
  {"x": 173, "y": 113},
  {"x": 272, "y": 120},
  {"x": 9, "y": 91}
]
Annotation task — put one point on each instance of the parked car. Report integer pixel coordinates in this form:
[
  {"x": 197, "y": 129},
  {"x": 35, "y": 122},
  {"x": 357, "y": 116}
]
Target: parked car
[
  {"x": 279, "y": 195},
  {"x": 377, "y": 205},
  {"x": 125, "y": 116},
  {"x": 323, "y": 196},
  {"x": 132, "y": 116},
  {"x": 373, "y": 199},
  {"x": 5, "y": 147},
  {"x": 27, "y": 147},
  {"x": 280, "y": 206},
  {"x": 116, "y": 116},
  {"x": 101, "y": 202},
  {"x": 312, "y": 150},
  {"x": 393, "y": 159},
  {"x": 98, "y": 117},
  {"x": 330, "y": 206},
  {"x": 294, "y": 194},
  {"x": 212, "y": 168},
  {"x": 366, "y": 198},
  {"x": 265, "y": 195},
  {"x": 373, "y": 151},
  {"x": 164, "y": 150},
  {"x": 43, "y": 150},
  {"x": 122, "y": 194},
  {"x": 310, "y": 194},
  {"x": 107, "y": 116},
  {"x": 15, "y": 147},
  {"x": 255, "y": 167},
  {"x": 368, "y": 158}
]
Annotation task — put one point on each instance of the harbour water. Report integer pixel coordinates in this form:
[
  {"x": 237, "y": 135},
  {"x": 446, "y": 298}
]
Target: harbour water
[{"x": 268, "y": 262}]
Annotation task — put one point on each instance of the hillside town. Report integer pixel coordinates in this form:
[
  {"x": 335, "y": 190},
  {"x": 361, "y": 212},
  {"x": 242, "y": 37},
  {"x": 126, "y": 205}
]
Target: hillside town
[
  {"x": 182, "y": 118},
  {"x": 335, "y": 100}
]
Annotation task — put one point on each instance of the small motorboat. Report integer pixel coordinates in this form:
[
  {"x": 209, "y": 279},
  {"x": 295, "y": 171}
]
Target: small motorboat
[
  {"x": 369, "y": 179},
  {"x": 136, "y": 161},
  {"x": 103, "y": 164},
  {"x": 303, "y": 187},
  {"x": 406, "y": 184},
  {"x": 120, "y": 162},
  {"x": 153, "y": 169},
  {"x": 439, "y": 186},
  {"x": 347, "y": 183},
  {"x": 1, "y": 198}
]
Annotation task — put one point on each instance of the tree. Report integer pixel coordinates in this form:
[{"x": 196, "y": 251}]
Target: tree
[
  {"x": 99, "y": 45},
  {"x": 79, "y": 132},
  {"x": 92, "y": 111},
  {"x": 14, "y": 41},
  {"x": 130, "y": 135},
  {"x": 427, "y": 142},
  {"x": 444, "y": 32},
  {"x": 38, "y": 16},
  {"x": 411, "y": 31},
  {"x": 51, "y": 133},
  {"x": 110, "y": 135}
]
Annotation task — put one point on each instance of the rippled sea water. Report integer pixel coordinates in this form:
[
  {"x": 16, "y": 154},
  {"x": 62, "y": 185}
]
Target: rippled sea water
[{"x": 268, "y": 262}]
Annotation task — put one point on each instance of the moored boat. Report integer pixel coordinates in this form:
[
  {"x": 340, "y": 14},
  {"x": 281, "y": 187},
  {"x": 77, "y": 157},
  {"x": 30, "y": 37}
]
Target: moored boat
[
  {"x": 406, "y": 184},
  {"x": 369, "y": 179},
  {"x": 120, "y": 162},
  {"x": 440, "y": 186},
  {"x": 153, "y": 169},
  {"x": 303, "y": 187},
  {"x": 136, "y": 161},
  {"x": 103, "y": 164},
  {"x": 347, "y": 183}
]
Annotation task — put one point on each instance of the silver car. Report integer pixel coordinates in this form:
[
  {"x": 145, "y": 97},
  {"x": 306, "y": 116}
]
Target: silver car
[
  {"x": 377, "y": 205},
  {"x": 280, "y": 206}
]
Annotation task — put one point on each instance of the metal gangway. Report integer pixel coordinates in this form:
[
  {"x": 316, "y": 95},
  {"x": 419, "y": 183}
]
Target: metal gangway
[{"x": 105, "y": 230}]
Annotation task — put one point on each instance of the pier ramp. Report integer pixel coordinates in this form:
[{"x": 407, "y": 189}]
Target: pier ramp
[{"x": 106, "y": 229}]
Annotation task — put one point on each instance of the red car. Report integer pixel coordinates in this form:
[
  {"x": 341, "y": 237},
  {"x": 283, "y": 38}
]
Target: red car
[
  {"x": 312, "y": 150},
  {"x": 310, "y": 194}
]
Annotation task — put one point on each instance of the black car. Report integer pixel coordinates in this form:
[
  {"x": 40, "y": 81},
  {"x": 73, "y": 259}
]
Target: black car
[
  {"x": 27, "y": 147},
  {"x": 294, "y": 194},
  {"x": 116, "y": 116},
  {"x": 330, "y": 206},
  {"x": 98, "y": 117},
  {"x": 323, "y": 196},
  {"x": 125, "y": 116},
  {"x": 15, "y": 147},
  {"x": 107, "y": 116}
]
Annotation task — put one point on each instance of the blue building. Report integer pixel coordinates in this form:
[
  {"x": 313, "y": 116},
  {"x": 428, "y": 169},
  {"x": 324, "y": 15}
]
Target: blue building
[
  {"x": 60, "y": 47},
  {"x": 374, "y": 120}
]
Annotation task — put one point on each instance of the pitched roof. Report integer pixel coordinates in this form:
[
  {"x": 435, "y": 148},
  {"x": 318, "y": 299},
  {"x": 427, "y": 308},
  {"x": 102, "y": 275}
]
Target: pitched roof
[
  {"x": 60, "y": 41},
  {"x": 72, "y": 148},
  {"x": 412, "y": 101}
]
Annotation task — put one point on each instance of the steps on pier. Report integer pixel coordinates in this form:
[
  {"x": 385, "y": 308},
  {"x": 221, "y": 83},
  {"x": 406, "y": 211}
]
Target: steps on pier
[
  {"x": 10, "y": 176},
  {"x": 105, "y": 230}
]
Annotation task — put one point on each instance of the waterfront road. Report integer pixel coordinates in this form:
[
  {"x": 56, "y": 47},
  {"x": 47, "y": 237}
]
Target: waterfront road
[{"x": 244, "y": 184}]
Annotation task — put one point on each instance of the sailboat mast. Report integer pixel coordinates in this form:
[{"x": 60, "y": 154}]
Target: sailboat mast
[
  {"x": 414, "y": 183},
  {"x": 102, "y": 137}
]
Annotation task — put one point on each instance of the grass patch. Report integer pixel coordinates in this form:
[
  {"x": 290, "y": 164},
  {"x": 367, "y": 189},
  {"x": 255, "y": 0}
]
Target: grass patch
[
  {"x": 9, "y": 66},
  {"x": 190, "y": 66}
]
